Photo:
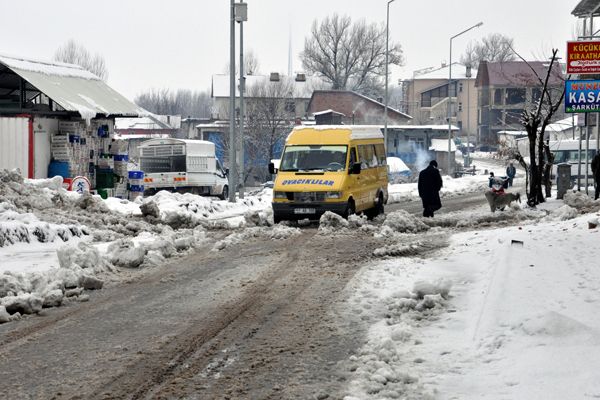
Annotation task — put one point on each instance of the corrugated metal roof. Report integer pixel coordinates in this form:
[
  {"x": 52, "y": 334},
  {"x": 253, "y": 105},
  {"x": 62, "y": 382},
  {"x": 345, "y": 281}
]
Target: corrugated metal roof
[
  {"x": 586, "y": 7},
  {"x": 72, "y": 87}
]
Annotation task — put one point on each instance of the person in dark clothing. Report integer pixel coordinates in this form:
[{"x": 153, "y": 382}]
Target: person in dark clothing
[
  {"x": 596, "y": 172},
  {"x": 430, "y": 183},
  {"x": 511, "y": 171}
]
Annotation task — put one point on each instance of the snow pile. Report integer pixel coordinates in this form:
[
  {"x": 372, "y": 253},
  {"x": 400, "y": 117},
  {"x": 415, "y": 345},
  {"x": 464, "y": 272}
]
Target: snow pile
[
  {"x": 187, "y": 210},
  {"x": 28, "y": 293},
  {"x": 381, "y": 369},
  {"x": 563, "y": 213},
  {"x": 18, "y": 227},
  {"x": 330, "y": 223},
  {"x": 403, "y": 244},
  {"x": 277, "y": 232},
  {"x": 402, "y": 221},
  {"x": 581, "y": 201}
]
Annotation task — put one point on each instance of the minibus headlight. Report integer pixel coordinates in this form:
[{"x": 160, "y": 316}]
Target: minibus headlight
[
  {"x": 279, "y": 195},
  {"x": 333, "y": 195}
]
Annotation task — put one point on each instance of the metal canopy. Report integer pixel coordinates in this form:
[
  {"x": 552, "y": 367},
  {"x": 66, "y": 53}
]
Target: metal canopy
[
  {"x": 586, "y": 8},
  {"x": 72, "y": 87}
]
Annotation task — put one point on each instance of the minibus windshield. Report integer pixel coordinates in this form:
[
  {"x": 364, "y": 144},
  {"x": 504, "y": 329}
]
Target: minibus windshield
[{"x": 314, "y": 157}]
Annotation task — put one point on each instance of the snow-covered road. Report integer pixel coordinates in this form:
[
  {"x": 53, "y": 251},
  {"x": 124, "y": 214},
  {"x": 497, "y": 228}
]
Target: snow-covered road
[{"x": 203, "y": 298}]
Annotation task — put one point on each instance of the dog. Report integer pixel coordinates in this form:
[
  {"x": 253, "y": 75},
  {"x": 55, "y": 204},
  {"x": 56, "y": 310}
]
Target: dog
[{"x": 501, "y": 200}]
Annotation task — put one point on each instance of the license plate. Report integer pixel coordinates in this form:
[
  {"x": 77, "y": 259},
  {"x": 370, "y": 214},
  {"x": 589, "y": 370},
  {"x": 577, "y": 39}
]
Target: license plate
[{"x": 304, "y": 210}]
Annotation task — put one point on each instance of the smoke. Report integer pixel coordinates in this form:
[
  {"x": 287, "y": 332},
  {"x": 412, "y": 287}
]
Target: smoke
[{"x": 423, "y": 159}]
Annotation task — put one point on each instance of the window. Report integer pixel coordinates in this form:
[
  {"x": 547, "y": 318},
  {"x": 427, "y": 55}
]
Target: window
[
  {"x": 367, "y": 156},
  {"x": 314, "y": 157},
  {"x": 498, "y": 97},
  {"x": 380, "y": 152},
  {"x": 515, "y": 96},
  {"x": 535, "y": 94},
  {"x": 459, "y": 107},
  {"x": 460, "y": 87}
]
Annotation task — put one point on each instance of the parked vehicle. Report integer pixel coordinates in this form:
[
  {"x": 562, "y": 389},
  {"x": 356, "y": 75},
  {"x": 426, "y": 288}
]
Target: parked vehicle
[
  {"x": 339, "y": 168},
  {"x": 567, "y": 151},
  {"x": 186, "y": 166}
]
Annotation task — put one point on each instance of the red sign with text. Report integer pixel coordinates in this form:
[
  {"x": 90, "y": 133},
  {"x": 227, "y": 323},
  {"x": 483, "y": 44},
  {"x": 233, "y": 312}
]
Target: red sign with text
[{"x": 583, "y": 57}]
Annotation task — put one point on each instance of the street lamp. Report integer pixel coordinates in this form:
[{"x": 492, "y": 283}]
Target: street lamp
[
  {"x": 449, "y": 96},
  {"x": 385, "y": 110},
  {"x": 241, "y": 15}
]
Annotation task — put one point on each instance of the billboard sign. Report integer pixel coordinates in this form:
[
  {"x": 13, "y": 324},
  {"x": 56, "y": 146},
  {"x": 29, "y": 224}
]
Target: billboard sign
[
  {"x": 583, "y": 57},
  {"x": 582, "y": 96}
]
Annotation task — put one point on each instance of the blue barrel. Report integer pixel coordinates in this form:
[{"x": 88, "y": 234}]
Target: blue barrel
[
  {"x": 60, "y": 168},
  {"x": 136, "y": 175},
  {"x": 122, "y": 157}
]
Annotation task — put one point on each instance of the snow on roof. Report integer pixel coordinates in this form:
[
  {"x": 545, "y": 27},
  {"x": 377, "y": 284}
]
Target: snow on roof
[
  {"x": 356, "y": 131},
  {"x": 562, "y": 125},
  {"x": 148, "y": 122},
  {"x": 302, "y": 89},
  {"x": 512, "y": 133},
  {"x": 72, "y": 87},
  {"x": 442, "y": 145},
  {"x": 329, "y": 111},
  {"x": 127, "y": 136},
  {"x": 459, "y": 71}
]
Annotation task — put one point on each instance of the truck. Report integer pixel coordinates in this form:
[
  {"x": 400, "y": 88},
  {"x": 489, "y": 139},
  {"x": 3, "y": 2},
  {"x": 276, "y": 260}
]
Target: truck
[{"x": 184, "y": 166}]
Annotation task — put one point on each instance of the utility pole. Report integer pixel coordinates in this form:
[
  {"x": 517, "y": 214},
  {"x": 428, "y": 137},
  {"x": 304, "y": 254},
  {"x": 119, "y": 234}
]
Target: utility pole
[
  {"x": 232, "y": 138},
  {"x": 241, "y": 16}
]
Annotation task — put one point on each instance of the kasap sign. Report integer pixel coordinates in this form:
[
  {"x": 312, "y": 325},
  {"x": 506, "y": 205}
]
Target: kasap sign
[
  {"x": 583, "y": 57},
  {"x": 582, "y": 96}
]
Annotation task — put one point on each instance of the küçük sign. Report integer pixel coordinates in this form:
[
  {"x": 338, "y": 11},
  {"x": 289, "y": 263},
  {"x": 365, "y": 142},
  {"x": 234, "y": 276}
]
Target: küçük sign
[
  {"x": 582, "y": 96},
  {"x": 583, "y": 57}
]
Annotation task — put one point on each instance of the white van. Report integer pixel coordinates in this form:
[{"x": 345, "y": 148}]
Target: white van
[
  {"x": 180, "y": 165},
  {"x": 567, "y": 151}
]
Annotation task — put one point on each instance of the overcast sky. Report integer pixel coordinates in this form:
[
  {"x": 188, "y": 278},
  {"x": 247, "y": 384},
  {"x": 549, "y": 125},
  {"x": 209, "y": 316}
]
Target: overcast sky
[{"x": 181, "y": 43}]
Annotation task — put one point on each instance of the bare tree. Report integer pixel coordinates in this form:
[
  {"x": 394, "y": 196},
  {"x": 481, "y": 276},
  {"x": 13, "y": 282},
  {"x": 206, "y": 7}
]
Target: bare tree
[
  {"x": 535, "y": 120},
  {"x": 180, "y": 102},
  {"x": 349, "y": 55},
  {"x": 270, "y": 116},
  {"x": 251, "y": 64},
  {"x": 74, "y": 53},
  {"x": 494, "y": 47}
]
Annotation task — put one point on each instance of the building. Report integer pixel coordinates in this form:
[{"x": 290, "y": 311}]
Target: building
[
  {"x": 425, "y": 98},
  {"x": 506, "y": 89},
  {"x": 293, "y": 92},
  {"x": 57, "y": 114},
  {"x": 355, "y": 108},
  {"x": 137, "y": 130}
]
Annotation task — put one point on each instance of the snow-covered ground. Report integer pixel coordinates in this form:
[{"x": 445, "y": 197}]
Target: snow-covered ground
[
  {"x": 508, "y": 313},
  {"x": 455, "y": 311}
]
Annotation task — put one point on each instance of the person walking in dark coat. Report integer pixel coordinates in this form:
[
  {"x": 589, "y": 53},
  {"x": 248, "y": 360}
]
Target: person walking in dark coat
[
  {"x": 596, "y": 172},
  {"x": 511, "y": 171},
  {"x": 430, "y": 183}
]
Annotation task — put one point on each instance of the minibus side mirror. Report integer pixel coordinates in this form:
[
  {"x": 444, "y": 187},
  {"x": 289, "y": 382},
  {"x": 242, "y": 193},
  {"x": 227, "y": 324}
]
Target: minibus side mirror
[
  {"x": 272, "y": 168},
  {"x": 355, "y": 168},
  {"x": 226, "y": 171}
]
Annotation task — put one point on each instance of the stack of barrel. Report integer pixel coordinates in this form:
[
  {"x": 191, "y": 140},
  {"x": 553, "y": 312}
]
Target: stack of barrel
[{"x": 135, "y": 184}]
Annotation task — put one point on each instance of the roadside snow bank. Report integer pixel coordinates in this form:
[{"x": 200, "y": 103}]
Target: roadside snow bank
[{"x": 381, "y": 368}]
